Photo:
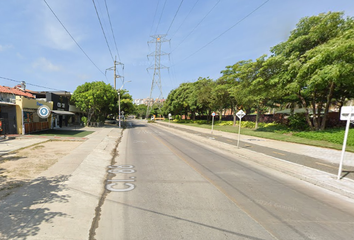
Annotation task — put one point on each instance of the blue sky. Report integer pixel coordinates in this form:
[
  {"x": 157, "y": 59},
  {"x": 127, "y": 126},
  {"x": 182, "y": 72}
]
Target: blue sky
[{"x": 34, "y": 47}]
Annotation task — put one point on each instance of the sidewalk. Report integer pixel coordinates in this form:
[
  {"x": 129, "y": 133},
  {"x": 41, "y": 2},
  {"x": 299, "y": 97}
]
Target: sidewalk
[
  {"x": 323, "y": 179},
  {"x": 65, "y": 195},
  {"x": 14, "y": 142}
]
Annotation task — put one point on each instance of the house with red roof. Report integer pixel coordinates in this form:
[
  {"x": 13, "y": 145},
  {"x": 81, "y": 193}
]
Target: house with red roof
[{"x": 8, "y": 108}]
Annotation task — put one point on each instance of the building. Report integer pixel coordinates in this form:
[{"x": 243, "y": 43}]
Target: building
[
  {"x": 28, "y": 119},
  {"x": 9, "y": 108},
  {"x": 19, "y": 110}
]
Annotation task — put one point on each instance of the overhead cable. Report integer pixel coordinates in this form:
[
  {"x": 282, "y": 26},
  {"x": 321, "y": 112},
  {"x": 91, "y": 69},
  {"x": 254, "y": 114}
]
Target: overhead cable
[
  {"x": 163, "y": 8},
  {"x": 12, "y": 80},
  {"x": 110, "y": 23},
  {"x": 197, "y": 25},
  {"x": 185, "y": 18},
  {"x": 175, "y": 16},
  {"x": 153, "y": 21},
  {"x": 227, "y": 29},
  {"x": 104, "y": 34},
  {"x": 72, "y": 37}
]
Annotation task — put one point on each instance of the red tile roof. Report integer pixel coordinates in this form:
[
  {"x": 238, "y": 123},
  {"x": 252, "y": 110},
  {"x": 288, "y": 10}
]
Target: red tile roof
[{"x": 15, "y": 91}]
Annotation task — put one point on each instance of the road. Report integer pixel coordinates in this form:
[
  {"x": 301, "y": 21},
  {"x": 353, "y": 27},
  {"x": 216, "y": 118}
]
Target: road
[{"x": 163, "y": 186}]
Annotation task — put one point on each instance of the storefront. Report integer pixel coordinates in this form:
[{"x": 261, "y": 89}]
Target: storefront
[
  {"x": 28, "y": 119},
  {"x": 61, "y": 116}
]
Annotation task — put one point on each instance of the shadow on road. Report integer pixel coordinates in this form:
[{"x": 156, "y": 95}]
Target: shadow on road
[{"x": 24, "y": 210}]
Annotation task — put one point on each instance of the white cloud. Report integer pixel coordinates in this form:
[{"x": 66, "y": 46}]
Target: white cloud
[
  {"x": 19, "y": 55},
  {"x": 52, "y": 33},
  {"x": 57, "y": 37},
  {"x": 5, "y": 47},
  {"x": 45, "y": 65}
]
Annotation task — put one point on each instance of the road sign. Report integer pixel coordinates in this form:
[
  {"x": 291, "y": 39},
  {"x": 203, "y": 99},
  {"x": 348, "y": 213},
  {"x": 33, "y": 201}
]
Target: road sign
[
  {"x": 345, "y": 111},
  {"x": 43, "y": 111},
  {"x": 240, "y": 114},
  {"x": 213, "y": 114}
]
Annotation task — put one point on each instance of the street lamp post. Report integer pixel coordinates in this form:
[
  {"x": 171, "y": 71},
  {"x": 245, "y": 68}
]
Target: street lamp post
[
  {"x": 119, "y": 124},
  {"x": 119, "y": 107}
]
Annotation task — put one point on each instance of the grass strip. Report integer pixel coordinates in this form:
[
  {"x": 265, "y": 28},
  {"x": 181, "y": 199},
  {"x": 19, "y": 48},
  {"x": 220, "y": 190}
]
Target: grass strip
[{"x": 327, "y": 139}]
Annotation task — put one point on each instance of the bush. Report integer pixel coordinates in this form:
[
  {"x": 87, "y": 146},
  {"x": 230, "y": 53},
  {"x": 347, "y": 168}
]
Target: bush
[
  {"x": 298, "y": 122},
  {"x": 84, "y": 120},
  {"x": 224, "y": 123},
  {"x": 272, "y": 127},
  {"x": 331, "y": 135}
]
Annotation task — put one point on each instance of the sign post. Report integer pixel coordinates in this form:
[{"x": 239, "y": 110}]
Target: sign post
[
  {"x": 212, "y": 122},
  {"x": 346, "y": 113},
  {"x": 169, "y": 119},
  {"x": 240, "y": 114}
]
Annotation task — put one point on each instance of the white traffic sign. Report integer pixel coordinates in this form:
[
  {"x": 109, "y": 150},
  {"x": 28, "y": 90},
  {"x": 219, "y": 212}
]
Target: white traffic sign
[
  {"x": 240, "y": 114},
  {"x": 345, "y": 111},
  {"x": 213, "y": 114}
]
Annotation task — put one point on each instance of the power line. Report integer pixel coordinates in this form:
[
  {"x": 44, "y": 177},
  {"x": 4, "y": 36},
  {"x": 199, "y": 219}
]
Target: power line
[
  {"x": 157, "y": 6},
  {"x": 227, "y": 29},
  {"x": 110, "y": 23},
  {"x": 163, "y": 8},
  {"x": 175, "y": 16},
  {"x": 12, "y": 80},
  {"x": 72, "y": 36},
  {"x": 197, "y": 25},
  {"x": 185, "y": 18},
  {"x": 104, "y": 34}
]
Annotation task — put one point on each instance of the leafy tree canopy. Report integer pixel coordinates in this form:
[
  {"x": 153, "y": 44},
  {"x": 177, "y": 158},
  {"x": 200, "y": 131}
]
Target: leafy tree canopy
[{"x": 97, "y": 99}]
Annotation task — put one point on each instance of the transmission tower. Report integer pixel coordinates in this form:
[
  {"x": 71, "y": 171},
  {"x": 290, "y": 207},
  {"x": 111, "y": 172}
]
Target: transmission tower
[{"x": 157, "y": 40}]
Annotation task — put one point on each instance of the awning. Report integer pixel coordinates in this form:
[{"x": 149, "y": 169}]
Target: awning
[{"x": 62, "y": 112}]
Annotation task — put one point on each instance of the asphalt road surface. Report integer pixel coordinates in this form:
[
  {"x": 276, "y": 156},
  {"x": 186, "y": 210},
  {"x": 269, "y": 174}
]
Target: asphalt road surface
[{"x": 162, "y": 186}]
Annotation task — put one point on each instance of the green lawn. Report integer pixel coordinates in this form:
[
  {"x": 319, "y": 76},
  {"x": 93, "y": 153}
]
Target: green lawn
[
  {"x": 332, "y": 138},
  {"x": 63, "y": 133}
]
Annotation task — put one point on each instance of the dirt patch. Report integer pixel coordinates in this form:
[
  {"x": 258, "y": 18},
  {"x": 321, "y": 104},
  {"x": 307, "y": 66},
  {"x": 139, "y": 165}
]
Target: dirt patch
[{"x": 19, "y": 167}]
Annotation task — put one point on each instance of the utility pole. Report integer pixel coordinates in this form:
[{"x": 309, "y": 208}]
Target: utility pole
[
  {"x": 156, "y": 79},
  {"x": 114, "y": 68}
]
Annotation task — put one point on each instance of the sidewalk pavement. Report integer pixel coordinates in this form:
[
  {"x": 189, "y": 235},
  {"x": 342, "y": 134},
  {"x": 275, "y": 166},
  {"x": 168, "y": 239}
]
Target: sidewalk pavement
[
  {"x": 323, "y": 179},
  {"x": 66, "y": 195},
  {"x": 15, "y": 142}
]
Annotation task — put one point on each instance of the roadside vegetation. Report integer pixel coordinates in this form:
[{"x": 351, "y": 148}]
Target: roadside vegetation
[
  {"x": 331, "y": 138},
  {"x": 100, "y": 101},
  {"x": 312, "y": 70},
  {"x": 63, "y": 133}
]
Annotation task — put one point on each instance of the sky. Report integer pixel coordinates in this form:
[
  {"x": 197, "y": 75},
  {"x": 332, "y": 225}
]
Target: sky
[{"x": 57, "y": 45}]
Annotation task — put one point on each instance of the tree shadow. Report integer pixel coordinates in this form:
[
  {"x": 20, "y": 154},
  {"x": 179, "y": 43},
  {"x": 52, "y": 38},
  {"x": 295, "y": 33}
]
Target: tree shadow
[{"x": 23, "y": 211}]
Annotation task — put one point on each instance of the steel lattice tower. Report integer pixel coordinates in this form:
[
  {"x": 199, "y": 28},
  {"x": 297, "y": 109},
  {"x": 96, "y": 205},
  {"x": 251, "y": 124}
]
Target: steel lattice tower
[{"x": 156, "y": 79}]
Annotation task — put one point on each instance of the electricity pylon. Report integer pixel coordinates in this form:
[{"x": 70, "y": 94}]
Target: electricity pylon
[{"x": 156, "y": 79}]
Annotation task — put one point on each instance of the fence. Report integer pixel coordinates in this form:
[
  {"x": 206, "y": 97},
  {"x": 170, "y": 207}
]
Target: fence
[{"x": 36, "y": 126}]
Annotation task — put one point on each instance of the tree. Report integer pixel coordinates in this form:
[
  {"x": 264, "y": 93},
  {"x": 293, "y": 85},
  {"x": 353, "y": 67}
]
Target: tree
[
  {"x": 317, "y": 63},
  {"x": 97, "y": 99},
  {"x": 126, "y": 102},
  {"x": 140, "y": 110},
  {"x": 202, "y": 93}
]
